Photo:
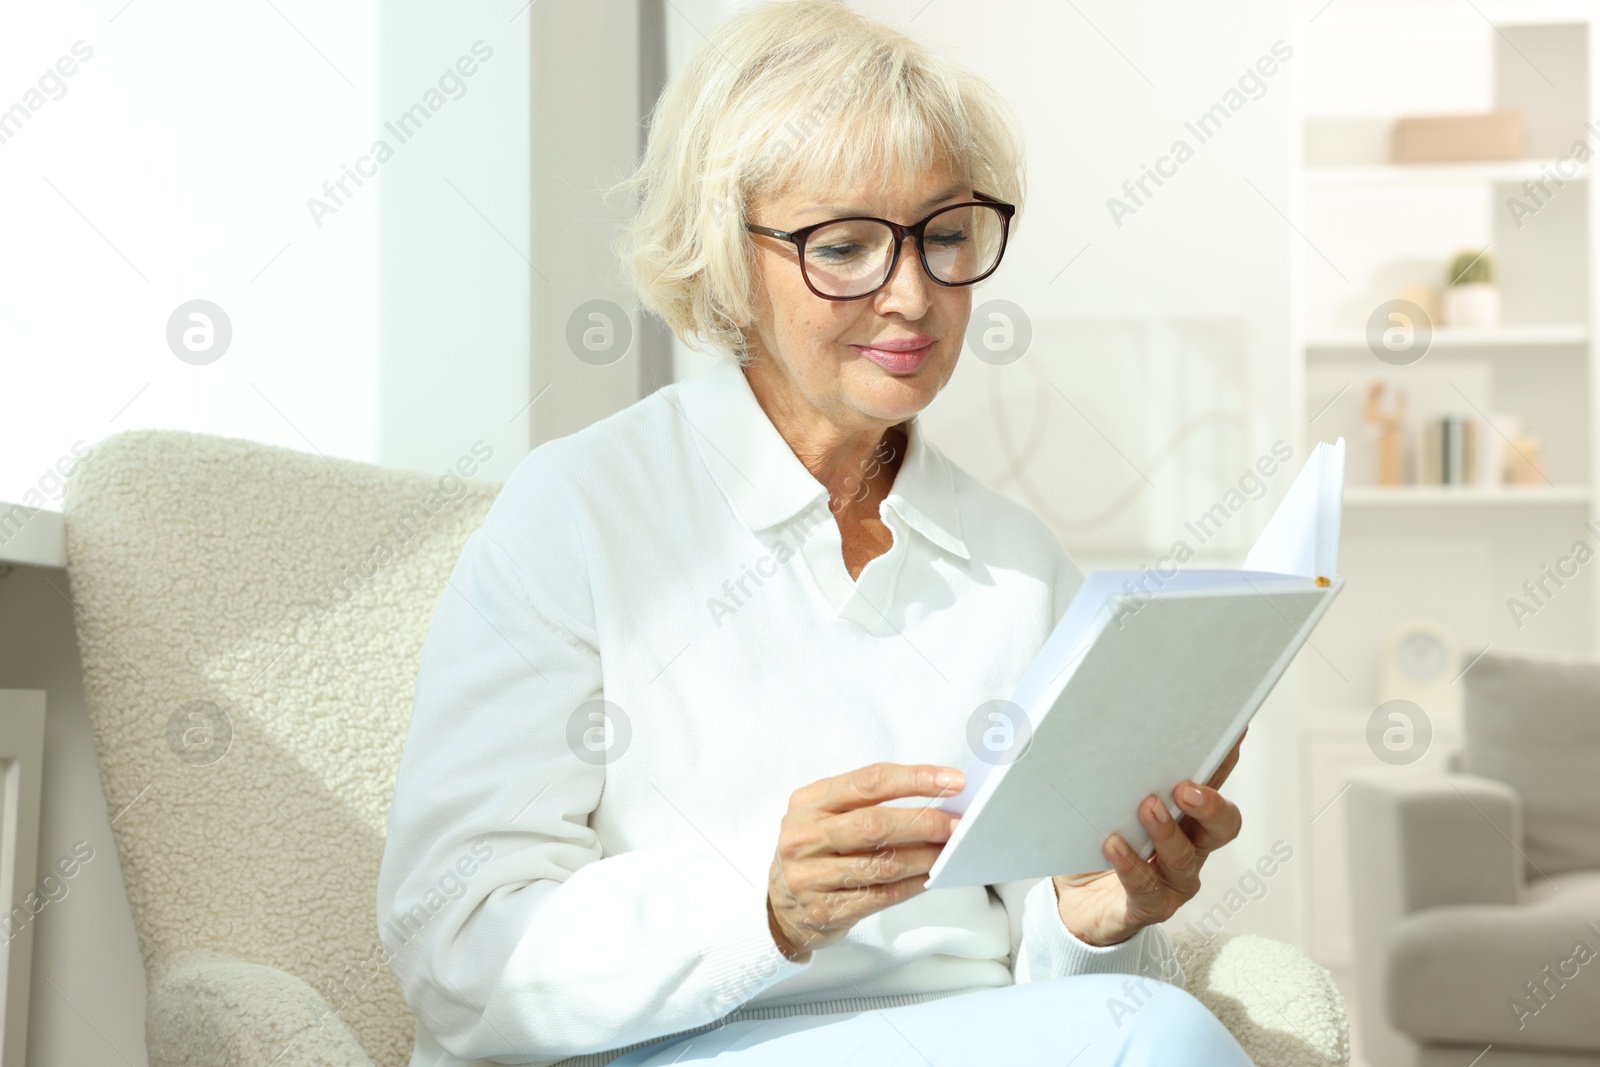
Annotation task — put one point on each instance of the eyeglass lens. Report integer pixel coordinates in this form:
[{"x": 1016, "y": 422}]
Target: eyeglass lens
[{"x": 852, "y": 257}]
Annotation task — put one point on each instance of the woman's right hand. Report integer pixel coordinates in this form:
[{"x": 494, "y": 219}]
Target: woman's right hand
[{"x": 841, "y": 856}]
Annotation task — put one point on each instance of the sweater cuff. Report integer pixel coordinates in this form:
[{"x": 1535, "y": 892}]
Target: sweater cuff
[
  {"x": 741, "y": 958},
  {"x": 1054, "y": 951}
]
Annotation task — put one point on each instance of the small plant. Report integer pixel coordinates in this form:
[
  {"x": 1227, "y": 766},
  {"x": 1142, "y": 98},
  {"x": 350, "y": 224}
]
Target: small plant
[{"x": 1471, "y": 268}]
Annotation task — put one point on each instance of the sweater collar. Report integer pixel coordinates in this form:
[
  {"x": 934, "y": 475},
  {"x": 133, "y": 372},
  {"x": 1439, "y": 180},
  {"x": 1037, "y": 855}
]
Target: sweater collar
[{"x": 765, "y": 482}]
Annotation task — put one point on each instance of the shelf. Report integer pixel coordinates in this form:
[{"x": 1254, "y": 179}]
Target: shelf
[
  {"x": 1459, "y": 495},
  {"x": 1530, "y": 335},
  {"x": 1403, "y": 175},
  {"x": 1380, "y": 16}
]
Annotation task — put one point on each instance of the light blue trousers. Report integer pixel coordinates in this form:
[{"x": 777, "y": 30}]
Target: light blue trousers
[{"x": 1090, "y": 1020}]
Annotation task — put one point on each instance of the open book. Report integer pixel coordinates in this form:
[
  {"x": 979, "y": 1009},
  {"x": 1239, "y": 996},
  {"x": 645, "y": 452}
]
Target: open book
[{"x": 1148, "y": 679}]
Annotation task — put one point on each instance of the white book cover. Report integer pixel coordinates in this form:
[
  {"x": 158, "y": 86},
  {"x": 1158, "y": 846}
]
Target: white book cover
[{"x": 1145, "y": 681}]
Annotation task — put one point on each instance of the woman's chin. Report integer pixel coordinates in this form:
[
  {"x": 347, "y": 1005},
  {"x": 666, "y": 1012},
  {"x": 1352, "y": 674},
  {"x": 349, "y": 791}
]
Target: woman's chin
[
  {"x": 894, "y": 401},
  {"x": 888, "y": 395}
]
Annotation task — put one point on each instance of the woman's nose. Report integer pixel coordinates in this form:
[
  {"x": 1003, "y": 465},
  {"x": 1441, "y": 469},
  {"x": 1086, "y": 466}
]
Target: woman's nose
[{"x": 909, "y": 282}]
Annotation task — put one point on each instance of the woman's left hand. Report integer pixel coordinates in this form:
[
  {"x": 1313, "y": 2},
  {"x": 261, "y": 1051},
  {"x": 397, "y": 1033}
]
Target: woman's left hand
[{"x": 1110, "y": 906}]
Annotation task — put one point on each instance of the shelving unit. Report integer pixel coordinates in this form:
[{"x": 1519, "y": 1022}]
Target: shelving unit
[
  {"x": 1389, "y": 175},
  {"x": 1465, "y": 496},
  {"x": 1452, "y": 554},
  {"x": 1521, "y": 336}
]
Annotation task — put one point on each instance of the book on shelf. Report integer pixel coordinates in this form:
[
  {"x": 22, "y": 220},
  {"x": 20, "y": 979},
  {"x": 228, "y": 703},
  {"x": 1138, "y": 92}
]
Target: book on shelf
[{"x": 1447, "y": 451}]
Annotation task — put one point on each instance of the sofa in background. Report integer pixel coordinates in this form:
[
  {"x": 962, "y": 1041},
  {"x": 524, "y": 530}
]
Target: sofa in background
[
  {"x": 1476, "y": 894},
  {"x": 251, "y": 619}
]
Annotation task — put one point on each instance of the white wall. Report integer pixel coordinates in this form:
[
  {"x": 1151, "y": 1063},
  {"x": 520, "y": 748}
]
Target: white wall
[
  {"x": 178, "y": 165},
  {"x": 453, "y": 234}
]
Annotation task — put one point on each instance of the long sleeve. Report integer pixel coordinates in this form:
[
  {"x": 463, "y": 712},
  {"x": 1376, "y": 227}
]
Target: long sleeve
[
  {"x": 1043, "y": 947},
  {"x": 512, "y": 935}
]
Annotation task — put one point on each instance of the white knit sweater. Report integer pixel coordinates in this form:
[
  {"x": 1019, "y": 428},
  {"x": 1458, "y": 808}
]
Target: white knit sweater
[{"x": 556, "y": 883}]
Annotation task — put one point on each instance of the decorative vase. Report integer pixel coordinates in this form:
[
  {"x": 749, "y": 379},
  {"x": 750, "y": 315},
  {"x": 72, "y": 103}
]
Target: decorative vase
[{"x": 1473, "y": 307}]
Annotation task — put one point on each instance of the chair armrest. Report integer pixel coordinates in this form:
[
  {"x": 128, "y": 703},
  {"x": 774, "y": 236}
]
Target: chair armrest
[
  {"x": 1417, "y": 841},
  {"x": 1426, "y": 841},
  {"x": 1283, "y": 1009},
  {"x": 209, "y": 1008}
]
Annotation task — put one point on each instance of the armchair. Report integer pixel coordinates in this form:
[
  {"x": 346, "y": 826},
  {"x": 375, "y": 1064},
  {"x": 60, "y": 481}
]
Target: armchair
[{"x": 1476, "y": 894}]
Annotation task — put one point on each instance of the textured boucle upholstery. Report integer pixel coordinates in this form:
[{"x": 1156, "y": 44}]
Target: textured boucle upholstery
[
  {"x": 207, "y": 1009},
  {"x": 250, "y": 620},
  {"x": 1282, "y": 1008}
]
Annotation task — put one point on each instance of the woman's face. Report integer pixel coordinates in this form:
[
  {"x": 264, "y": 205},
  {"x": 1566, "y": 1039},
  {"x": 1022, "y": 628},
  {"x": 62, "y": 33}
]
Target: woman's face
[{"x": 816, "y": 355}]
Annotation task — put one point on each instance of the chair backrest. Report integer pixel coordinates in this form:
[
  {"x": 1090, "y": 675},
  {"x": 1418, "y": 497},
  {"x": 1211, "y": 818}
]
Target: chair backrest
[{"x": 250, "y": 620}]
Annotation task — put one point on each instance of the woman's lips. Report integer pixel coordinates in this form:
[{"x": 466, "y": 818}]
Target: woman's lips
[{"x": 896, "y": 362}]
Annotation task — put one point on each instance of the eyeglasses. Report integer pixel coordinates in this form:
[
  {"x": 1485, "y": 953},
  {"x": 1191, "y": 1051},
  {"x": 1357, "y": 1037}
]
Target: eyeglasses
[{"x": 850, "y": 258}]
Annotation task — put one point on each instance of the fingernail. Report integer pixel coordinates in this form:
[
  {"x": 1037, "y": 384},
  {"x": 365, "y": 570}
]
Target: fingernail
[
  {"x": 1161, "y": 813},
  {"x": 1190, "y": 796},
  {"x": 949, "y": 778}
]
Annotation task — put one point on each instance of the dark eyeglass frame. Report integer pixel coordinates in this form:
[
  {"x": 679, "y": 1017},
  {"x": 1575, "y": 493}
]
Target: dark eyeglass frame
[{"x": 916, "y": 230}]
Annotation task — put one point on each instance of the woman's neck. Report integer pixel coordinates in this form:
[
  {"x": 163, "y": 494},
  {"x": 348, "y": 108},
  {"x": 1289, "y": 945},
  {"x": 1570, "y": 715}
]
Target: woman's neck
[{"x": 856, "y": 464}]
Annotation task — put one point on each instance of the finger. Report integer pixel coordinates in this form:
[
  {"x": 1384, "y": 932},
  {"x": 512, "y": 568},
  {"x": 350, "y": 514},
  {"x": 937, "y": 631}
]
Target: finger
[
  {"x": 1146, "y": 897},
  {"x": 1213, "y": 820},
  {"x": 878, "y": 782},
  {"x": 1228, "y": 762},
  {"x": 866, "y": 829},
  {"x": 853, "y": 875},
  {"x": 843, "y": 907},
  {"x": 1177, "y": 863}
]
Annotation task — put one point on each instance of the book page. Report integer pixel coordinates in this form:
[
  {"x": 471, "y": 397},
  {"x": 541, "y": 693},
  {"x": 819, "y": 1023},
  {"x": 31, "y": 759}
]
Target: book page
[{"x": 1302, "y": 537}]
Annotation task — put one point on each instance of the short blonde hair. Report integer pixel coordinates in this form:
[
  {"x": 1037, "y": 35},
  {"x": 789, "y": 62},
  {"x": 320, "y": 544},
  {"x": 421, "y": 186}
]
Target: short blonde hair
[{"x": 784, "y": 94}]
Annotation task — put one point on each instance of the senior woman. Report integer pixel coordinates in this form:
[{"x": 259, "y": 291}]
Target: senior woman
[{"x": 687, "y": 704}]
